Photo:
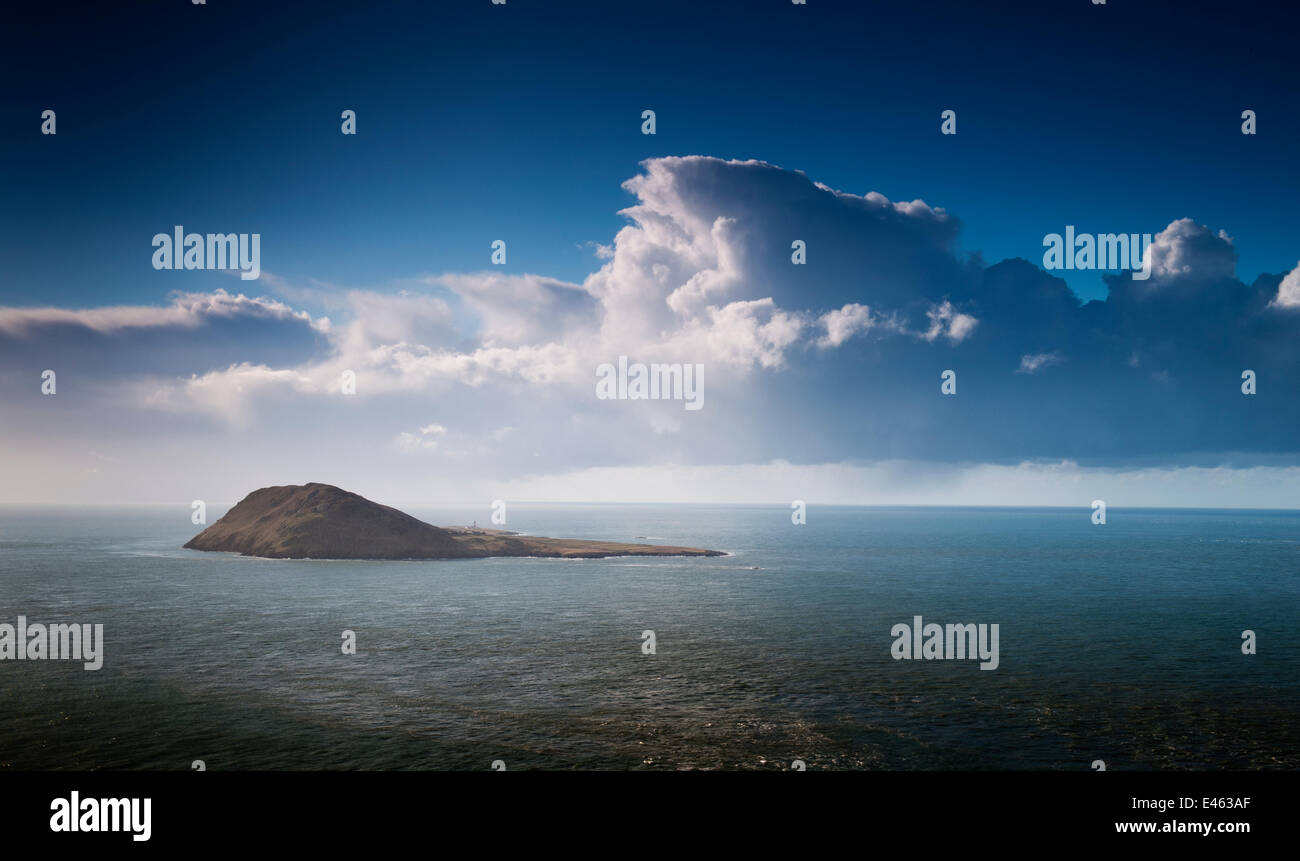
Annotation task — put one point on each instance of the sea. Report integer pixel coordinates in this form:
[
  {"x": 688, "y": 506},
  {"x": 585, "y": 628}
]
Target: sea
[{"x": 1123, "y": 644}]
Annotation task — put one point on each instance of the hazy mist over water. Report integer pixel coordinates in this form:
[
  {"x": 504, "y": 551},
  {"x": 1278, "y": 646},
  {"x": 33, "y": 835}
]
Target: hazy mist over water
[{"x": 1119, "y": 642}]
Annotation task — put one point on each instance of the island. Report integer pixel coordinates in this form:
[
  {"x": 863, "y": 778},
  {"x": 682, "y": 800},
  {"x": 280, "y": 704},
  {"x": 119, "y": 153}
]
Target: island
[{"x": 320, "y": 521}]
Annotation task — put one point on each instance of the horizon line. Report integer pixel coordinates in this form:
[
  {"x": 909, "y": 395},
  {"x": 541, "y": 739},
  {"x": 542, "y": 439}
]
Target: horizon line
[{"x": 786, "y": 505}]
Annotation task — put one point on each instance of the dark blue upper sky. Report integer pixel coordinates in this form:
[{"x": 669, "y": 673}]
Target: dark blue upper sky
[{"x": 479, "y": 122}]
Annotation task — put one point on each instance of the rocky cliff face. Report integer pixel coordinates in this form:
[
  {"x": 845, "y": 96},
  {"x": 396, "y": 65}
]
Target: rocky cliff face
[{"x": 320, "y": 521}]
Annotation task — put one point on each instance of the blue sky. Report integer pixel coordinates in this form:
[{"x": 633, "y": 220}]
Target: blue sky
[{"x": 522, "y": 122}]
